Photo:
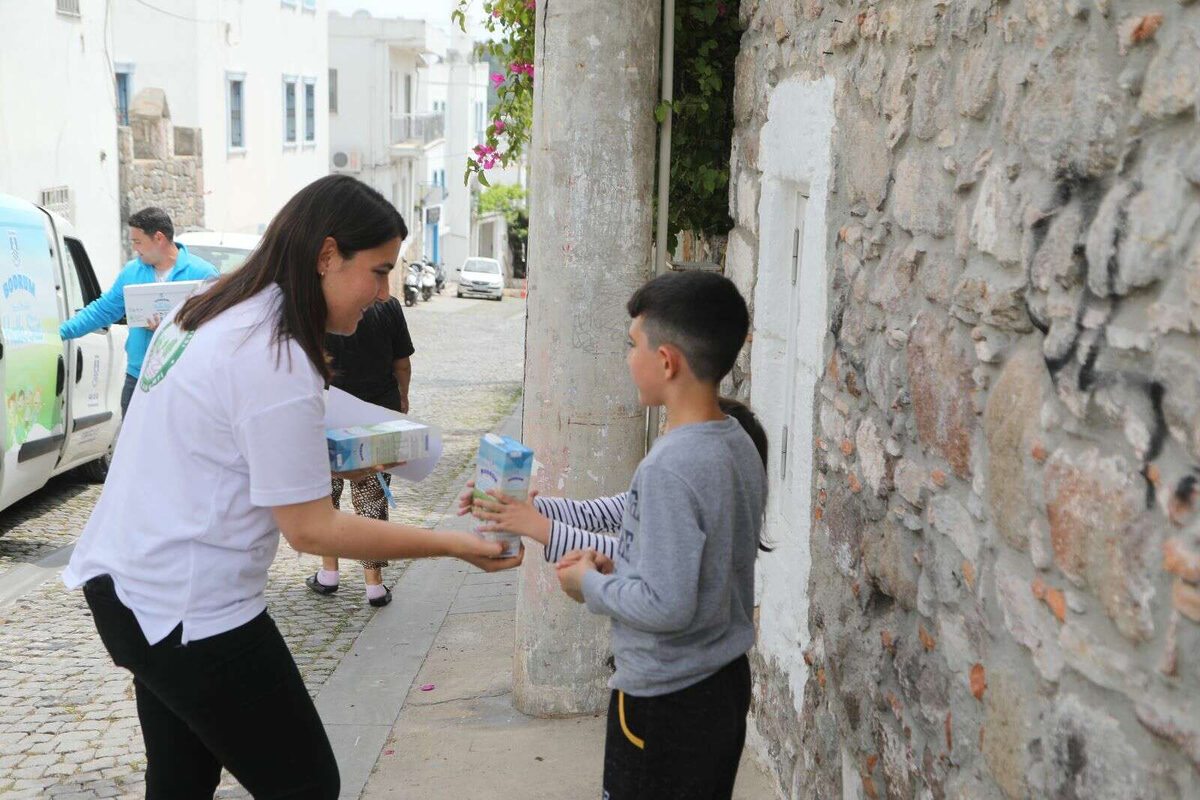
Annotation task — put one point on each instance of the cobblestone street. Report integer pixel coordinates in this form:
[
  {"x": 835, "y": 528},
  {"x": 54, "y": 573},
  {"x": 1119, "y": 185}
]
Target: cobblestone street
[{"x": 68, "y": 726}]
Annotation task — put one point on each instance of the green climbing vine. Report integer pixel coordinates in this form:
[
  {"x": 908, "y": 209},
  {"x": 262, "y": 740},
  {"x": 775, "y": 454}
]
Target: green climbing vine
[
  {"x": 707, "y": 38},
  {"x": 708, "y": 35}
]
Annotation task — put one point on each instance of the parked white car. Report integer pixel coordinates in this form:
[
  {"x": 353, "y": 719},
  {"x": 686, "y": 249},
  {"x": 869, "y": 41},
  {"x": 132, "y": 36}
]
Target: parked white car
[
  {"x": 481, "y": 277},
  {"x": 61, "y": 401},
  {"x": 225, "y": 251}
]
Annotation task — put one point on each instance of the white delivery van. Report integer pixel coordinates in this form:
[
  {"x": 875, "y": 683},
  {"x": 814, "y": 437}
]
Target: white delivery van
[{"x": 61, "y": 401}]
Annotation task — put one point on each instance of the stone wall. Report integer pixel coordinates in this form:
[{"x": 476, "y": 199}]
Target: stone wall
[
  {"x": 160, "y": 165},
  {"x": 1004, "y": 595}
]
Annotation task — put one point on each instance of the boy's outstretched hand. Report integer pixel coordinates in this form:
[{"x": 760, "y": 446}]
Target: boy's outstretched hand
[
  {"x": 466, "y": 500},
  {"x": 573, "y": 566},
  {"x": 506, "y": 514}
]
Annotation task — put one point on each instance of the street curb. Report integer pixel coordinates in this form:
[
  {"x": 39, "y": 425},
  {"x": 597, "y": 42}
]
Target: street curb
[{"x": 24, "y": 578}]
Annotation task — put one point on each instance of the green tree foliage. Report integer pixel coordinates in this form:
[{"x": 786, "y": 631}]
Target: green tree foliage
[{"x": 707, "y": 38}]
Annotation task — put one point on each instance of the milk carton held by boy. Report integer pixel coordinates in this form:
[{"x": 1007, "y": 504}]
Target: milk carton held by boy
[{"x": 506, "y": 466}]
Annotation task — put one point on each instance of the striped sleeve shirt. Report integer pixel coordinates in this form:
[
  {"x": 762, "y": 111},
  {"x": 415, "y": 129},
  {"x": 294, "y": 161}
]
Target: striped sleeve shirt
[{"x": 581, "y": 524}]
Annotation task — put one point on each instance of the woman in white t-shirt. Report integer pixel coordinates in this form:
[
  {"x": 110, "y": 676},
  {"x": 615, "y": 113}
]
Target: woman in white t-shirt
[{"x": 225, "y": 451}]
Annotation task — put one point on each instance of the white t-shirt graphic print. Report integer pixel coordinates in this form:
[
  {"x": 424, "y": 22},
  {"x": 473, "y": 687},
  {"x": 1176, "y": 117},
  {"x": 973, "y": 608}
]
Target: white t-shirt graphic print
[{"x": 223, "y": 425}]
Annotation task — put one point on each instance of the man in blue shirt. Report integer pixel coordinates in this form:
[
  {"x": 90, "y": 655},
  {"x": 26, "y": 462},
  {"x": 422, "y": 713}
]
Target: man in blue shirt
[{"x": 160, "y": 260}]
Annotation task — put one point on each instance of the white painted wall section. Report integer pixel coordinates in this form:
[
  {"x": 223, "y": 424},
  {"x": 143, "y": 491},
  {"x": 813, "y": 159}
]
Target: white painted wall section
[
  {"x": 190, "y": 49},
  {"x": 57, "y": 118},
  {"x": 790, "y": 325}
]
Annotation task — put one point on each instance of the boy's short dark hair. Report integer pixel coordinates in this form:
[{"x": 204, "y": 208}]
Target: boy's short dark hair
[
  {"x": 701, "y": 313},
  {"x": 152, "y": 220}
]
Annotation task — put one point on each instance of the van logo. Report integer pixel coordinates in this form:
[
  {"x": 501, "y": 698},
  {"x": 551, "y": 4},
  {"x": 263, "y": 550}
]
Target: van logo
[
  {"x": 14, "y": 247},
  {"x": 19, "y": 281}
]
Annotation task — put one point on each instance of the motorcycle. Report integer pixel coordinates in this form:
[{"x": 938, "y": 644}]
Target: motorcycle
[
  {"x": 412, "y": 285},
  {"x": 428, "y": 281},
  {"x": 440, "y": 277}
]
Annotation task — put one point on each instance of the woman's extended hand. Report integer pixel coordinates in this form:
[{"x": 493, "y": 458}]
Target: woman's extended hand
[
  {"x": 508, "y": 515},
  {"x": 476, "y": 550}
]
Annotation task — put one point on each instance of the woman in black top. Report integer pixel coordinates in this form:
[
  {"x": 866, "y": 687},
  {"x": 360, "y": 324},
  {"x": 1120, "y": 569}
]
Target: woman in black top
[{"x": 373, "y": 365}]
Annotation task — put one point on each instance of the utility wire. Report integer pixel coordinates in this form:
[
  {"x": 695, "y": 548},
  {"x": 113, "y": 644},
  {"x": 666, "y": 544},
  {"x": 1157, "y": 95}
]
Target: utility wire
[{"x": 179, "y": 16}]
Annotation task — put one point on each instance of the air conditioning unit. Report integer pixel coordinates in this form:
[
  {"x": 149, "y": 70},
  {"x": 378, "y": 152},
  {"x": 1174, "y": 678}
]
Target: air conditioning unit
[{"x": 345, "y": 161}]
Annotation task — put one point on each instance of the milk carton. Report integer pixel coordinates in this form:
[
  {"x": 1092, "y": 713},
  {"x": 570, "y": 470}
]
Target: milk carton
[
  {"x": 145, "y": 300},
  {"x": 505, "y": 465},
  {"x": 364, "y": 446}
]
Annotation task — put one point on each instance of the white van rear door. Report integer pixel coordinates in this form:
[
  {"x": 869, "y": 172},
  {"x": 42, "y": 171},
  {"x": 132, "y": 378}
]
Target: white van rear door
[
  {"x": 93, "y": 397},
  {"x": 34, "y": 367}
]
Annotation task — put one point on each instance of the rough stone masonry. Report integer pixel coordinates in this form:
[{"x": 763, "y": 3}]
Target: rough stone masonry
[
  {"x": 1014, "y": 354},
  {"x": 160, "y": 165}
]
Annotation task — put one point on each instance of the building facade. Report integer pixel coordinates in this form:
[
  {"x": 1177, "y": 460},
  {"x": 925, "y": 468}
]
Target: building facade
[
  {"x": 411, "y": 106},
  {"x": 382, "y": 124},
  {"x": 252, "y": 76},
  {"x": 58, "y": 127},
  {"x": 971, "y": 232}
]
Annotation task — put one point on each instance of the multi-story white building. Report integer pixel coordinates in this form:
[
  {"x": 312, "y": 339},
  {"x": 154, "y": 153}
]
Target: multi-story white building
[
  {"x": 58, "y": 134},
  {"x": 411, "y": 105},
  {"x": 253, "y": 75},
  {"x": 381, "y": 126},
  {"x": 458, "y": 82}
]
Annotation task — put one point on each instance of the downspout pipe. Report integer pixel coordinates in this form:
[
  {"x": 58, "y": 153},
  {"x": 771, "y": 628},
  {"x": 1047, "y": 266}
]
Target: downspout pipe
[
  {"x": 667, "y": 71},
  {"x": 664, "y": 136}
]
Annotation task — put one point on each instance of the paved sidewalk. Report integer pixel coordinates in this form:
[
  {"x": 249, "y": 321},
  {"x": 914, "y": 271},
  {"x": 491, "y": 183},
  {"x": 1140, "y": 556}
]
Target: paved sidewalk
[{"x": 68, "y": 724}]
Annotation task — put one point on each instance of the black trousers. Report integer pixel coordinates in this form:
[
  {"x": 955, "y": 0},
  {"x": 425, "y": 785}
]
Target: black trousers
[
  {"x": 234, "y": 700},
  {"x": 127, "y": 393},
  {"x": 685, "y": 745}
]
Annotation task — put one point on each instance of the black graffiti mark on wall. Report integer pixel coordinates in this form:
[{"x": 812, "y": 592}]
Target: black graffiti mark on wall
[{"x": 1070, "y": 186}]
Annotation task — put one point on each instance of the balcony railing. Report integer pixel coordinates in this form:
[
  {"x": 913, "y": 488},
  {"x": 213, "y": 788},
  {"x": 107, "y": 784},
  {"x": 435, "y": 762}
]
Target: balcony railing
[{"x": 418, "y": 129}]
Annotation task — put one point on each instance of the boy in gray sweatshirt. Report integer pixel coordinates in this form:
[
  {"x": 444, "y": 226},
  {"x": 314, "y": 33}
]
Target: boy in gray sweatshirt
[{"x": 680, "y": 585}]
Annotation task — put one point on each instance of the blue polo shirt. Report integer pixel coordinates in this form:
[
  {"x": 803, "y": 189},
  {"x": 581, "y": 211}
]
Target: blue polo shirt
[{"x": 109, "y": 307}]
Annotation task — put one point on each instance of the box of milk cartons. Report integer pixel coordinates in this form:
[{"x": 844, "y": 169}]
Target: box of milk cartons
[
  {"x": 363, "y": 446},
  {"x": 146, "y": 300},
  {"x": 505, "y": 465}
]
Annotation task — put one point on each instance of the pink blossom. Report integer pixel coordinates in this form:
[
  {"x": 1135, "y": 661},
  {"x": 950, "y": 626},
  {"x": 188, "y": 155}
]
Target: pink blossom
[
  {"x": 485, "y": 155},
  {"x": 498, "y": 125},
  {"x": 530, "y": 4},
  {"x": 496, "y": 13},
  {"x": 497, "y": 80}
]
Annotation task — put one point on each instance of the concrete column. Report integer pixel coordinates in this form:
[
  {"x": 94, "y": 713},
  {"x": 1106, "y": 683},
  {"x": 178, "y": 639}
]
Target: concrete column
[{"x": 592, "y": 183}]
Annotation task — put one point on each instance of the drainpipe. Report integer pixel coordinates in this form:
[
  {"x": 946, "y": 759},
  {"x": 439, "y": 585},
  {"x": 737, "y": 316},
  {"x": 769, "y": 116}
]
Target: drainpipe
[
  {"x": 664, "y": 135},
  {"x": 653, "y": 414}
]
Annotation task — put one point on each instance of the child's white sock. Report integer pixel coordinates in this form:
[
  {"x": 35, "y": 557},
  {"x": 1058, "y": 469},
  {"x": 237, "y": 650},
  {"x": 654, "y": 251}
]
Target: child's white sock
[
  {"x": 327, "y": 577},
  {"x": 375, "y": 591}
]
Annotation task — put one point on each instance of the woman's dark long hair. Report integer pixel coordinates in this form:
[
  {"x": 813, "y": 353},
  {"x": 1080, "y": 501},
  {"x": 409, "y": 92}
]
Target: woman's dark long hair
[
  {"x": 356, "y": 216},
  {"x": 749, "y": 422}
]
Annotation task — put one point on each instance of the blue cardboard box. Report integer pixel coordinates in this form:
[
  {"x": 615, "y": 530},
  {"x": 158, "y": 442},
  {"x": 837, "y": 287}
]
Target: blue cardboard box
[{"x": 364, "y": 446}]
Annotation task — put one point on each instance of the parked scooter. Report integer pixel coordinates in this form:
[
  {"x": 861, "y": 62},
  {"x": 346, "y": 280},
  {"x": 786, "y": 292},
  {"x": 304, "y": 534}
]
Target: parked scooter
[
  {"x": 440, "y": 276},
  {"x": 412, "y": 284},
  {"x": 428, "y": 281}
]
